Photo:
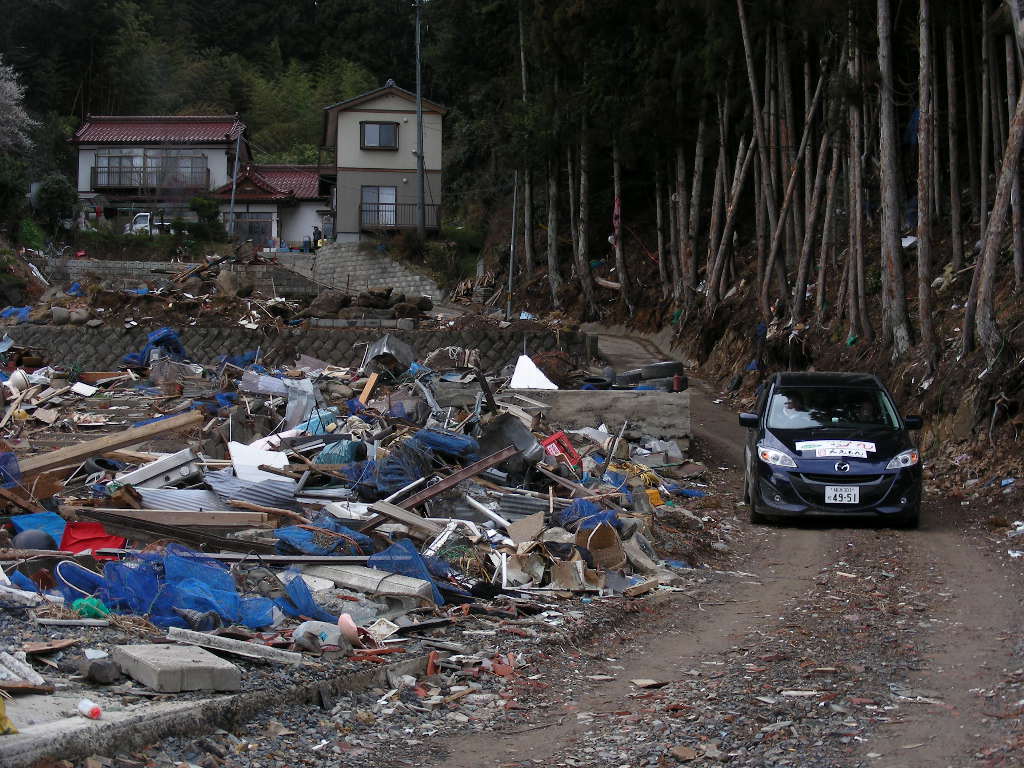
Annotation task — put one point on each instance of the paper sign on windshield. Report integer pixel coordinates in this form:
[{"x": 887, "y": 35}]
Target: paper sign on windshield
[{"x": 857, "y": 449}]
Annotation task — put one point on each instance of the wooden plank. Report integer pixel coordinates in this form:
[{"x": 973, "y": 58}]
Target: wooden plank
[
  {"x": 578, "y": 490},
  {"x": 295, "y": 516},
  {"x": 463, "y": 474},
  {"x": 197, "y": 537},
  {"x": 266, "y": 559},
  {"x": 371, "y": 384},
  {"x": 73, "y": 454},
  {"x": 213, "y": 518},
  {"x": 27, "y": 505},
  {"x": 440, "y": 487},
  {"x": 405, "y": 517}
]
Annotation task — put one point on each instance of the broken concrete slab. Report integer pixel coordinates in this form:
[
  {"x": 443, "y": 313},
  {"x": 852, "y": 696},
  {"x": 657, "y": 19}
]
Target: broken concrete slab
[
  {"x": 175, "y": 668},
  {"x": 664, "y": 415},
  {"x": 228, "y": 645}
]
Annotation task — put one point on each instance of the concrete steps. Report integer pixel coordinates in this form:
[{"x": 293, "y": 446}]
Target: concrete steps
[{"x": 347, "y": 266}]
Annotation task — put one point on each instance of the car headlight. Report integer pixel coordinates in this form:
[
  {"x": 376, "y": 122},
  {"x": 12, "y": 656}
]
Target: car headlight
[
  {"x": 904, "y": 460},
  {"x": 772, "y": 456}
]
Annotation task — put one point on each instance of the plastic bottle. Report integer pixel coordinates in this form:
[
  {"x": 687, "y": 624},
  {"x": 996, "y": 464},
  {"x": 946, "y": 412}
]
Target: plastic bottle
[{"x": 89, "y": 709}]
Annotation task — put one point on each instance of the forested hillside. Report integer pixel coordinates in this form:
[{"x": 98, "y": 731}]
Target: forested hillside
[{"x": 668, "y": 152}]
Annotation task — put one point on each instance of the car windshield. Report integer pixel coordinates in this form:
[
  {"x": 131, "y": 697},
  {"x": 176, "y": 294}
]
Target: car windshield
[{"x": 810, "y": 407}]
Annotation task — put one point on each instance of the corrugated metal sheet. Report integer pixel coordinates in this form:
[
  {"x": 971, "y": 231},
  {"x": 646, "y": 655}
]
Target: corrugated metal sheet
[
  {"x": 512, "y": 506},
  {"x": 267, "y": 493},
  {"x": 180, "y": 499}
]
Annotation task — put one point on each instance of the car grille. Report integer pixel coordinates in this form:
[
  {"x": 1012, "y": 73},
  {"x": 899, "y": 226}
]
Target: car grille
[{"x": 840, "y": 479}]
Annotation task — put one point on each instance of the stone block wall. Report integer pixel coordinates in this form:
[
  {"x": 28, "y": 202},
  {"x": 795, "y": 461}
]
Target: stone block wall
[
  {"x": 103, "y": 348},
  {"x": 353, "y": 268},
  {"x": 268, "y": 279}
]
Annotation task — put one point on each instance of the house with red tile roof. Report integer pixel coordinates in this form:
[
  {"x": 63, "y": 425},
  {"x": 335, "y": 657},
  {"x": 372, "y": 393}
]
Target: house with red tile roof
[
  {"x": 157, "y": 163},
  {"x": 278, "y": 205}
]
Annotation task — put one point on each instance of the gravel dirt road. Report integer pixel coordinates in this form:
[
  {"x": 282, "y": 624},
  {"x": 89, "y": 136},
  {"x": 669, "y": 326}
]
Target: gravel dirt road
[{"x": 847, "y": 646}]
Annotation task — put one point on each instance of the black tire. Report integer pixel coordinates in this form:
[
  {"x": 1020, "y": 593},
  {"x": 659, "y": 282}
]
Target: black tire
[
  {"x": 628, "y": 378},
  {"x": 756, "y": 518},
  {"x": 911, "y": 520},
  {"x": 662, "y": 370}
]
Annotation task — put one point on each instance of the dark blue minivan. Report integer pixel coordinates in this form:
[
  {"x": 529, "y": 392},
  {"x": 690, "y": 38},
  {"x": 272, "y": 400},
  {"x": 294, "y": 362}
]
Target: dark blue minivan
[{"x": 830, "y": 444}]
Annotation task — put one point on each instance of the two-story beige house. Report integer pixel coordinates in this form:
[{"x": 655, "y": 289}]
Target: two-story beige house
[
  {"x": 373, "y": 137},
  {"x": 131, "y": 163}
]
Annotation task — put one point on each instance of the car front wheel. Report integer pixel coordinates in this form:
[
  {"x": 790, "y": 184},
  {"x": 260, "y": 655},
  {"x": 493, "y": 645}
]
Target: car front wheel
[
  {"x": 910, "y": 520},
  {"x": 750, "y": 497}
]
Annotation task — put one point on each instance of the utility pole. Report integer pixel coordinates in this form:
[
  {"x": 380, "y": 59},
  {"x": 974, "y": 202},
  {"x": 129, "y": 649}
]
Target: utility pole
[
  {"x": 234, "y": 183},
  {"x": 512, "y": 246},
  {"x": 421, "y": 212}
]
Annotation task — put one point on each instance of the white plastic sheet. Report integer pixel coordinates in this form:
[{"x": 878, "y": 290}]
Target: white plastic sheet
[{"x": 528, "y": 376}]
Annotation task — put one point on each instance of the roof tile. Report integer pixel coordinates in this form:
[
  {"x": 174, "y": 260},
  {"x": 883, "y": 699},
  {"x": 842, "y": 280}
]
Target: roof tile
[{"x": 162, "y": 129}]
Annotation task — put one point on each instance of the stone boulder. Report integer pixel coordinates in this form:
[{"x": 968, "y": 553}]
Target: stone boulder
[
  {"x": 406, "y": 310},
  {"x": 327, "y": 304}
]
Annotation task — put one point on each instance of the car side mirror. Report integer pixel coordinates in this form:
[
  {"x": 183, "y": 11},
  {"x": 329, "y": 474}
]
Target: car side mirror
[
  {"x": 748, "y": 420},
  {"x": 913, "y": 422}
]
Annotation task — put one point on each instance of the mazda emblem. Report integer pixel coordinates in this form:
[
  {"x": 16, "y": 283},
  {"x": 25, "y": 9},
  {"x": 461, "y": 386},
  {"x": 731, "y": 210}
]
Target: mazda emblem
[{"x": 842, "y": 466}]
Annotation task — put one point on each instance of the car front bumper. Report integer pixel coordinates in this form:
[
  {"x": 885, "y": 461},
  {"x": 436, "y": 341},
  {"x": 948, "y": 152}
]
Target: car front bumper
[{"x": 794, "y": 493}]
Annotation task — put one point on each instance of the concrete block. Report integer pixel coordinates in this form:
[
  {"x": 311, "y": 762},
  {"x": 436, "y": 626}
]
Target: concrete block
[{"x": 175, "y": 668}]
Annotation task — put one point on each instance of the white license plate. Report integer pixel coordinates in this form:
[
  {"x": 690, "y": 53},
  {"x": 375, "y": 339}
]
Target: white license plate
[{"x": 842, "y": 494}]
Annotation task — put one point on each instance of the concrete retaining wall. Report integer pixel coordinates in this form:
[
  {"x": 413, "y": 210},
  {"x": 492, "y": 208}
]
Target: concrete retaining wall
[
  {"x": 665, "y": 415},
  {"x": 102, "y": 348}
]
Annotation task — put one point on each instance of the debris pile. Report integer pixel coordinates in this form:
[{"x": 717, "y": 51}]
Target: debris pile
[
  {"x": 318, "y": 515},
  {"x": 207, "y": 293}
]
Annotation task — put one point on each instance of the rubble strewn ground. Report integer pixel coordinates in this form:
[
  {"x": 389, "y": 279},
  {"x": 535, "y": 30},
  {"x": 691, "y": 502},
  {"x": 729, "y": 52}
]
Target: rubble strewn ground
[
  {"x": 769, "y": 645},
  {"x": 412, "y": 515}
]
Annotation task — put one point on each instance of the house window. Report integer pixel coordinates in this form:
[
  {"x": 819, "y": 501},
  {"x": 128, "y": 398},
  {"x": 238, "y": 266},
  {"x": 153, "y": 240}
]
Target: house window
[
  {"x": 378, "y": 135},
  {"x": 378, "y": 206}
]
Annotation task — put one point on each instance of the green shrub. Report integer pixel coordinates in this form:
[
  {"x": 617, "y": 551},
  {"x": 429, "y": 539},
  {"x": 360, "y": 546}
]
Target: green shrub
[
  {"x": 207, "y": 209},
  {"x": 31, "y": 235},
  {"x": 56, "y": 199}
]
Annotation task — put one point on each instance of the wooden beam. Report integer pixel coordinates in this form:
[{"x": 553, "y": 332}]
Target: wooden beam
[
  {"x": 440, "y": 487},
  {"x": 371, "y": 384},
  {"x": 74, "y": 454},
  {"x": 578, "y": 490},
  {"x": 295, "y": 516},
  {"x": 463, "y": 474},
  {"x": 237, "y": 557},
  {"x": 405, "y": 517},
  {"x": 28, "y": 506},
  {"x": 223, "y": 518}
]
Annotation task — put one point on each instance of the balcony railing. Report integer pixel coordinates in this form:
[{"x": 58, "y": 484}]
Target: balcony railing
[
  {"x": 396, "y": 216},
  {"x": 150, "y": 178}
]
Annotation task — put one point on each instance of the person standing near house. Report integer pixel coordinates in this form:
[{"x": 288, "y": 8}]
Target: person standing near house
[{"x": 317, "y": 237}]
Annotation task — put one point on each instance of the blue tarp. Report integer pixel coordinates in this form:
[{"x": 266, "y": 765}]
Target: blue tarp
[
  {"x": 165, "y": 339},
  {"x": 18, "y": 313},
  {"x": 50, "y": 522},
  {"x": 402, "y": 557},
  {"x": 160, "y": 585},
  {"x": 585, "y": 515}
]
